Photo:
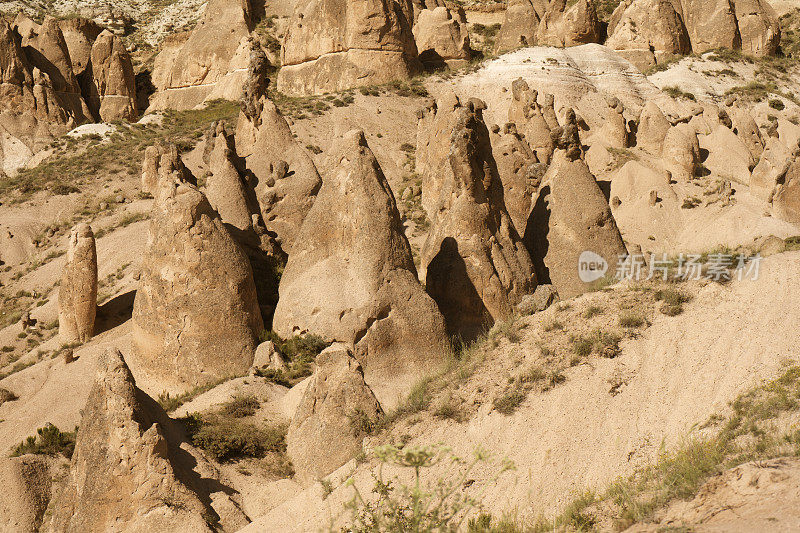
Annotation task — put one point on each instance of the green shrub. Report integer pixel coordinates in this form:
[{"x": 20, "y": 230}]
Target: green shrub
[
  {"x": 775, "y": 103},
  {"x": 632, "y": 320},
  {"x": 600, "y": 342},
  {"x": 241, "y": 406},
  {"x": 511, "y": 399},
  {"x": 673, "y": 301},
  {"x": 228, "y": 438},
  {"x": 49, "y": 440}
]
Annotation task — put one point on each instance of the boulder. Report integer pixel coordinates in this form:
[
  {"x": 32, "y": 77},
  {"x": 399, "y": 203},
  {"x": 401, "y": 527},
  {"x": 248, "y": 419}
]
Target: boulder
[
  {"x": 337, "y": 407},
  {"x": 77, "y": 294},
  {"x": 122, "y": 475},
  {"x": 477, "y": 268},
  {"x": 681, "y": 152},
  {"x": 113, "y": 91},
  {"x": 335, "y": 45},
  {"x": 652, "y": 129},
  {"x": 519, "y": 25},
  {"x": 543, "y": 297},
  {"x": 351, "y": 278},
  {"x": 211, "y": 62},
  {"x": 442, "y": 37},
  {"x": 770, "y": 170},
  {"x": 728, "y": 156},
  {"x": 646, "y": 32},
  {"x": 196, "y": 316},
  {"x": 79, "y": 35},
  {"x": 286, "y": 178},
  {"x": 786, "y": 199},
  {"x": 27, "y": 486},
  {"x": 570, "y": 216},
  {"x": 569, "y": 24},
  {"x": 268, "y": 356},
  {"x": 749, "y": 25},
  {"x": 745, "y": 127}
]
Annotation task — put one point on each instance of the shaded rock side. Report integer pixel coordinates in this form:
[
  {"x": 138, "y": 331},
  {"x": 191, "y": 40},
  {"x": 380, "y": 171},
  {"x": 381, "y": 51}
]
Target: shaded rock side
[
  {"x": 196, "y": 316},
  {"x": 77, "y": 294},
  {"x": 351, "y": 277},
  {"x": 121, "y": 477},
  {"x": 786, "y": 198},
  {"x": 337, "y": 407},
  {"x": 442, "y": 37},
  {"x": 333, "y": 45},
  {"x": 113, "y": 92},
  {"x": 477, "y": 268}
]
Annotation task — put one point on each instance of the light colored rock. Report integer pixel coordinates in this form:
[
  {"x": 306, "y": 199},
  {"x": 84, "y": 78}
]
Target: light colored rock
[
  {"x": 477, "y": 268},
  {"x": 225, "y": 189},
  {"x": 160, "y": 162},
  {"x": 351, "y": 277},
  {"x": 436, "y": 122},
  {"x": 27, "y": 486},
  {"x": 113, "y": 91},
  {"x": 653, "y": 128},
  {"x": 786, "y": 199},
  {"x": 743, "y": 125},
  {"x": 77, "y": 294},
  {"x": 337, "y": 407},
  {"x": 519, "y": 25},
  {"x": 530, "y": 119},
  {"x": 681, "y": 152},
  {"x": 442, "y": 37},
  {"x": 749, "y": 25},
  {"x": 268, "y": 356},
  {"x": 336, "y": 45},
  {"x": 79, "y": 34},
  {"x": 771, "y": 168},
  {"x": 196, "y": 316},
  {"x": 728, "y": 156},
  {"x": 543, "y": 297},
  {"x": 759, "y": 27},
  {"x": 566, "y": 24},
  {"x": 122, "y": 475}
]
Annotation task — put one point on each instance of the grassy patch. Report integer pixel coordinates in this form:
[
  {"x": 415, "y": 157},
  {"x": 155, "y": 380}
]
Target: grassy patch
[
  {"x": 592, "y": 311},
  {"x": 599, "y": 342},
  {"x": 678, "y": 93},
  {"x": 241, "y": 406},
  {"x": 301, "y": 352},
  {"x": 672, "y": 301},
  {"x": 169, "y": 403},
  {"x": 510, "y": 400},
  {"x": 632, "y": 320}
]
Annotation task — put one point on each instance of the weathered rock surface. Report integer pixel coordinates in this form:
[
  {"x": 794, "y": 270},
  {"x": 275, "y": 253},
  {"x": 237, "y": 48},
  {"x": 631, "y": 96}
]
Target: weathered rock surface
[
  {"x": 79, "y": 34},
  {"x": 530, "y": 119},
  {"x": 196, "y": 316},
  {"x": 77, "y": 294},
  {"x": 113, "y": 92},
  {"x": 337, "y": 407},
  {"x": 287, "y": 179},
  {"x": 786, "y": 199},
  {"x": 520, "y": 24},
  {"x": 160, "y": 162},
  {"x": 351, "y": 278},
  {"x": 569, "y": 25},
  {"x": 570, "y": 216},
  {"x": 477, "y": 268},
  {"x": 652, "y": 129},
  {"x": 335, "y": 45},
  {"x": 436, "y": 122},
  {"x": 728, "y": 156},
  {"x": 442, "y": 37},
  {"x": 27, "y": 485},
  {"x": 211, "y": 63},
  {"x": 770, "y": 170},
  {"x": 681, "y": 152},
  {"x": 225, "y": 189},
  {"x": 121, "y": 476}
]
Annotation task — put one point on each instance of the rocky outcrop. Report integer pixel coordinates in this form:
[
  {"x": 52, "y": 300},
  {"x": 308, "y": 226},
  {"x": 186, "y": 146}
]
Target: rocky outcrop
[
  {"x": 520, "y": 24},
  {"x": 770, "y": 170},
  {"x": 337, "y": 407},
  {"x": 351, "y": 277},
  {"x": 77, "y": 294},
  {"x": 569, "y": 25},
  {"x": 226, "y": 191},
  {"x": 442, "y": 37},
  {"x": 121, "y": 476},
  {"x": 196, "y": 316},
  {"x": 646, "y": 32},
  {"x": 287, "y": 180},
  {"x": 530, "y": 119},
  {"x": 570, "y": 216},
  {"x": 79, "y": 35},
  {"x": 477, "y": 268},
  {"x": 436, "y": 122},
  {"x": 160, "y": 162},
  {"x": 786, "y": 198},
  {"x": 652, "y": 129},
  {"x": 334, "y": 45},
  {"x": 27, "y": 485},
  {"x": 680, "y": 152},
  {"x": 728, "y": 156},
  {"x": 113, "y": 91},
  {"x": 210, "y": 63}
]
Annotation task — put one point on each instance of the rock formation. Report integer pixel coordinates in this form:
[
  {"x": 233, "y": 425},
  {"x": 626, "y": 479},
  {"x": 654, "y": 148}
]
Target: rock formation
[
  {"x": 122, "y": 477},
  {"x": 351, "y": 277},
  {"x": 569, "y": 25},
  {"x": 196, "y": 316},
  {"x": 161, "y": 161},
  {"x": 520, "y": 24},
  {"x": 335, "y": 45},
  {"x": 570, "y": 216},
  {"x": 113, "y": 92},
  {"x": 225, "y": 189},
  {"x": 211, "y": 62},
  {"x": 786, "y": 198},
  {"x": 436, "y": 122},
  {"x": 745, "y": 127},
  {"x": 337, "y": 407},
  {"x": 79, "y": 35},
  {"x": 77, "y": 294},
  {"x": 652, "y": 129},
  {"x": 770, "y": 170},
  {"x": 442, "y": 37},
  {"x": 27, "y": 484},
  {"x": 681, "y": 152},
  {"x": 529, "y": 117},
  {"x": 287, "y": 179},
  {"x": 477, "y": 268},
  {"x": 646, "y": 32},
  {"x": 728, "y": 156}
]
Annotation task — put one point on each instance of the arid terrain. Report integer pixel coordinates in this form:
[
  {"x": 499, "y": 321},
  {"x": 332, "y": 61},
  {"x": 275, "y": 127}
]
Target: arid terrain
[{"x": 399, "y": 266}]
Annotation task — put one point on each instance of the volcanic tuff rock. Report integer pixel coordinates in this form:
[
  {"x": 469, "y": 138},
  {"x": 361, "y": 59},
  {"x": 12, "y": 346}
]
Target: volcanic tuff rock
[
  {"x": 681, "y": 152},
  {"x": 652, "y": 129},
  {"x": 351, "y": 277},
  {"x": 77, "y": 294},
  {"x": 436, "y": 122},
  {"x": 569, "y": 25},
  {"x": 113, "y": 92},
  {"x": 337, "y": 407},
  {"x": 519, "y": 25},
  {"x": 79, "y": 34},
  {"x": 196, "y": 316},
  {"x": 225, "y": 189},
  {"x": 770, "y": 170},
  {"x": 211, "y": 63},
  {"x": 339, "y": 44},
  {"x": 477, "y": 268},
  {"x": 122, "y": 477},
  {"x": 160, "y": 162},
  {"x": 570, "y": 216},
  {"x": 786, "y": 199},
  {"x": 27, "y": 485},
  {"x": 530, "y": 119},
  {"x": 442, "y": 37}
]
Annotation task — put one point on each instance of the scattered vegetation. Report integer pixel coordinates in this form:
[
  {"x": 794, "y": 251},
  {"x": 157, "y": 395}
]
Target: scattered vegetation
[
  {"x": 227, "y": 438},
  {"x": 170, "y": 403},
  {"x": 677, "y": 92},
  {"x": 301, "y": 352},
  {"x": 49, "y": 440},
  {"x": 632, "y": 319},
  {"x": 510, "y": 400},
  {"x": 599, "y": 342},
  {"x": 673, "y": 301},
  {"x": 241, "y": 406}
]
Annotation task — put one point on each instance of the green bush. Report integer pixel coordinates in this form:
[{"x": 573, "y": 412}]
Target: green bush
[
  {"x": 631, "y": 320},
  {"x": 511, "y": 399},
  {"x": 49, "y": 440},
  {"x": 228, "y": 438},
  {"x": 241, "y": 406}
]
